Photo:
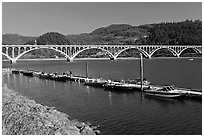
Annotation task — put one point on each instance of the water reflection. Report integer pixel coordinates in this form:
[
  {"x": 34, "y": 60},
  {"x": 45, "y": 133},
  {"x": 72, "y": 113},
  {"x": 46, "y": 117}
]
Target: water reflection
[
  {"x": 88, "y": 90},
  {"x": 8, "y": 78},
  {"x": 54, "y": 84},
  {"x": 21, "y": 79},
  {"x": 143, "y": 114},
  {"x": 142, "y": 96},
  {"x": 14, "y": 79},
  {"x": 110, "y": 98},
  {"x": 125, "y": 99},
  {"x": 165, "y": 102}
]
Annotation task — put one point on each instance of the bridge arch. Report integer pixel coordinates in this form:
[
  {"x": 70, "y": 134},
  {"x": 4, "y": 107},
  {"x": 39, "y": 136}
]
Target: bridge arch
[
  {"x": 194, "y": 48},
  {"x": 140, "y": 50},
  {"x": 7, "y": 56},
  {"x": 109, "y": 53},
  {"x": 32, "y": 49},
  {"x": 169, "y": 49}
]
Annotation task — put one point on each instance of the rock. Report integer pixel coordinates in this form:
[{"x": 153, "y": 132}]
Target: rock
[{"x": 21, "y": 116}]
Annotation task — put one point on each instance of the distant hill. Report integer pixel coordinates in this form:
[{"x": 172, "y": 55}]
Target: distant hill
[
  {"x": 174, "y": 33},
  {"x": 113, "y": 34},
  {"x": 15, "y": 39},
  {"x": 50, "y": 38}
]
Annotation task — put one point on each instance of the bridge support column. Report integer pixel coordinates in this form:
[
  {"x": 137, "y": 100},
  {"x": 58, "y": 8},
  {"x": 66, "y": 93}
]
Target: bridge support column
[
  {"x": 13, "y": 52},
  {"x": 13, "y": 61},
  {"x": 113, "y": 58},
  {"x": 6, "y": 50},
  {"x": 19, "y": 51},
  {"x": 70, "y": 59}
]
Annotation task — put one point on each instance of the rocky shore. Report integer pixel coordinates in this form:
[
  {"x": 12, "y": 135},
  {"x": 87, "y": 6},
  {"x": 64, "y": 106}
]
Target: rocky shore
[{"x": 22, "y": 116}]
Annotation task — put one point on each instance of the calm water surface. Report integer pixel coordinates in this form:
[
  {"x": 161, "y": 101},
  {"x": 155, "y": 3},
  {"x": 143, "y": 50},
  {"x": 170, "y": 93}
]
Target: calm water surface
[{"x": 116, "y": 112}]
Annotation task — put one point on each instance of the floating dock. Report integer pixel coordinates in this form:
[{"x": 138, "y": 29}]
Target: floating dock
[{"x": 191, "y": 93}]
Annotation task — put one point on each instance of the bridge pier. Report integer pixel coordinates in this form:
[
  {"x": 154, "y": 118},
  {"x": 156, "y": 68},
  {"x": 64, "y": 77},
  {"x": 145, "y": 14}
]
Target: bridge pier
[
  {"x": 113, "y": 58},
  {"x": 70, "y": 60},
  {"x": 12, "y": 61}
]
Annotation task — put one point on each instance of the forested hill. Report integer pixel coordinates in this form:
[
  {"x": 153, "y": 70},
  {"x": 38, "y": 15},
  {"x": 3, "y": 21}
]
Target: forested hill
[
  {"x": 181, "y": 33},
  {"x": 51, "y": 38},
  {"x": 175, "y": 33},
  {"x": 113, "y": 34},
  {"x": 15, "y": 39}
]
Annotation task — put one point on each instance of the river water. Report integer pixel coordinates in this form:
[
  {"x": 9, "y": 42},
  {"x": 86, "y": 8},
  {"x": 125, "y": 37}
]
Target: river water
[{"x": 117, "y": 112}]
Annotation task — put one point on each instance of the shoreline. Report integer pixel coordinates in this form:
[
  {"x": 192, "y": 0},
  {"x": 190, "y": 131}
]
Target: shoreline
[{"x": 22, "y": 116}]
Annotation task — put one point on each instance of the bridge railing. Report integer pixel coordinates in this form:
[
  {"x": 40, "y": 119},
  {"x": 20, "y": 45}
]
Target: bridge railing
[{"x": 102, "y": 45}]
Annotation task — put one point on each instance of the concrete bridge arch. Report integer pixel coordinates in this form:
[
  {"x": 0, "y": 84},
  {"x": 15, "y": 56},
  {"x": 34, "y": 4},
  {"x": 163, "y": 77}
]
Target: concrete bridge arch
[
  {"x": 169, "y": 49},
  {"x": 32, "y": 49},
  {"x": 7, "y": 56},
  {"x": 194, "y": 48},
  {"x": 140, "y": 50},
  {"x": 78, "y": 52}
]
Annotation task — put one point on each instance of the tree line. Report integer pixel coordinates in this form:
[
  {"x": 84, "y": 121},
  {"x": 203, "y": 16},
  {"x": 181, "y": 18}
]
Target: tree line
[
  {"x": 181, "y": 33},
  {"x": 50, "y": 38}
]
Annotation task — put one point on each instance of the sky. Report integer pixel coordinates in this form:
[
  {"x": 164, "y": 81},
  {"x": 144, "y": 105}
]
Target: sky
[{"x": 37, "y": 18}]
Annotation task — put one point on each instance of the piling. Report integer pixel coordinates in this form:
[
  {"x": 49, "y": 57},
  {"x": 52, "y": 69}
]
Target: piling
[
  {"x": 86, "y": 69},
  {"x": 141, "y": 71}
]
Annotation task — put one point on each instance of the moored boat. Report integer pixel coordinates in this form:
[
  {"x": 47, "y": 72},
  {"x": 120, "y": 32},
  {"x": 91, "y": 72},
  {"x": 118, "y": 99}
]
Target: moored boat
[
  {"x": 95, "y": 82},
  {"x": 61, "y": 78},
  {"x": 57, "y": 77},
  {"x": 27, "y": 73},
  {"x": 163, "y": 91},
  {"x": 15, "y": 71},
  {"x": 118, "y": 86},
  {"x": 124, "y": 85},
  {"x": 44, "y": 75},
  {"x": 36, "y": 73},
  {"x": 21, "y": 71},
  {"x": 138, "y": 81}
]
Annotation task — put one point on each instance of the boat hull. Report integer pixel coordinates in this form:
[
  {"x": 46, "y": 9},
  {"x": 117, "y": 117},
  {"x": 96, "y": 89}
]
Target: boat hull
[
  {"x": 28, "y": 73},
  {"x": 63, "y": 79},
  {"x": 94, "y": 84},
  {"x": 118, "y": 88},
  {"x": 165, "y": 95},
  {"x": 15, "y": 71},
  {"x": 42, "y": 76}
]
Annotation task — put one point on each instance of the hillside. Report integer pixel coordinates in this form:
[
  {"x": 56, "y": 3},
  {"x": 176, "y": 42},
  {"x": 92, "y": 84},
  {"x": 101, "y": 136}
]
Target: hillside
[
  {"x": 15, "y": 39},
  {"x": 51, "y": 38},
  {"x": 173, "y": 33},
  {"x": 176, "y": 33},
  {"x": 113, "y": 34}
]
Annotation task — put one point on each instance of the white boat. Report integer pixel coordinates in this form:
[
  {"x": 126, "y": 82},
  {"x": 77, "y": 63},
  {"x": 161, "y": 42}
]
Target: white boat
[
  {"x": 164, "y": 91},
  {"x": 95, "y": 82},
  {"x": 123, "y": 86},
  {"x": 36, "y": 73}
]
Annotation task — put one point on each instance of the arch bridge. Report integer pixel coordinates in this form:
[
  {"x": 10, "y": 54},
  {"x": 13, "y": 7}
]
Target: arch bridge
[{"x": 14, "y": 52}]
